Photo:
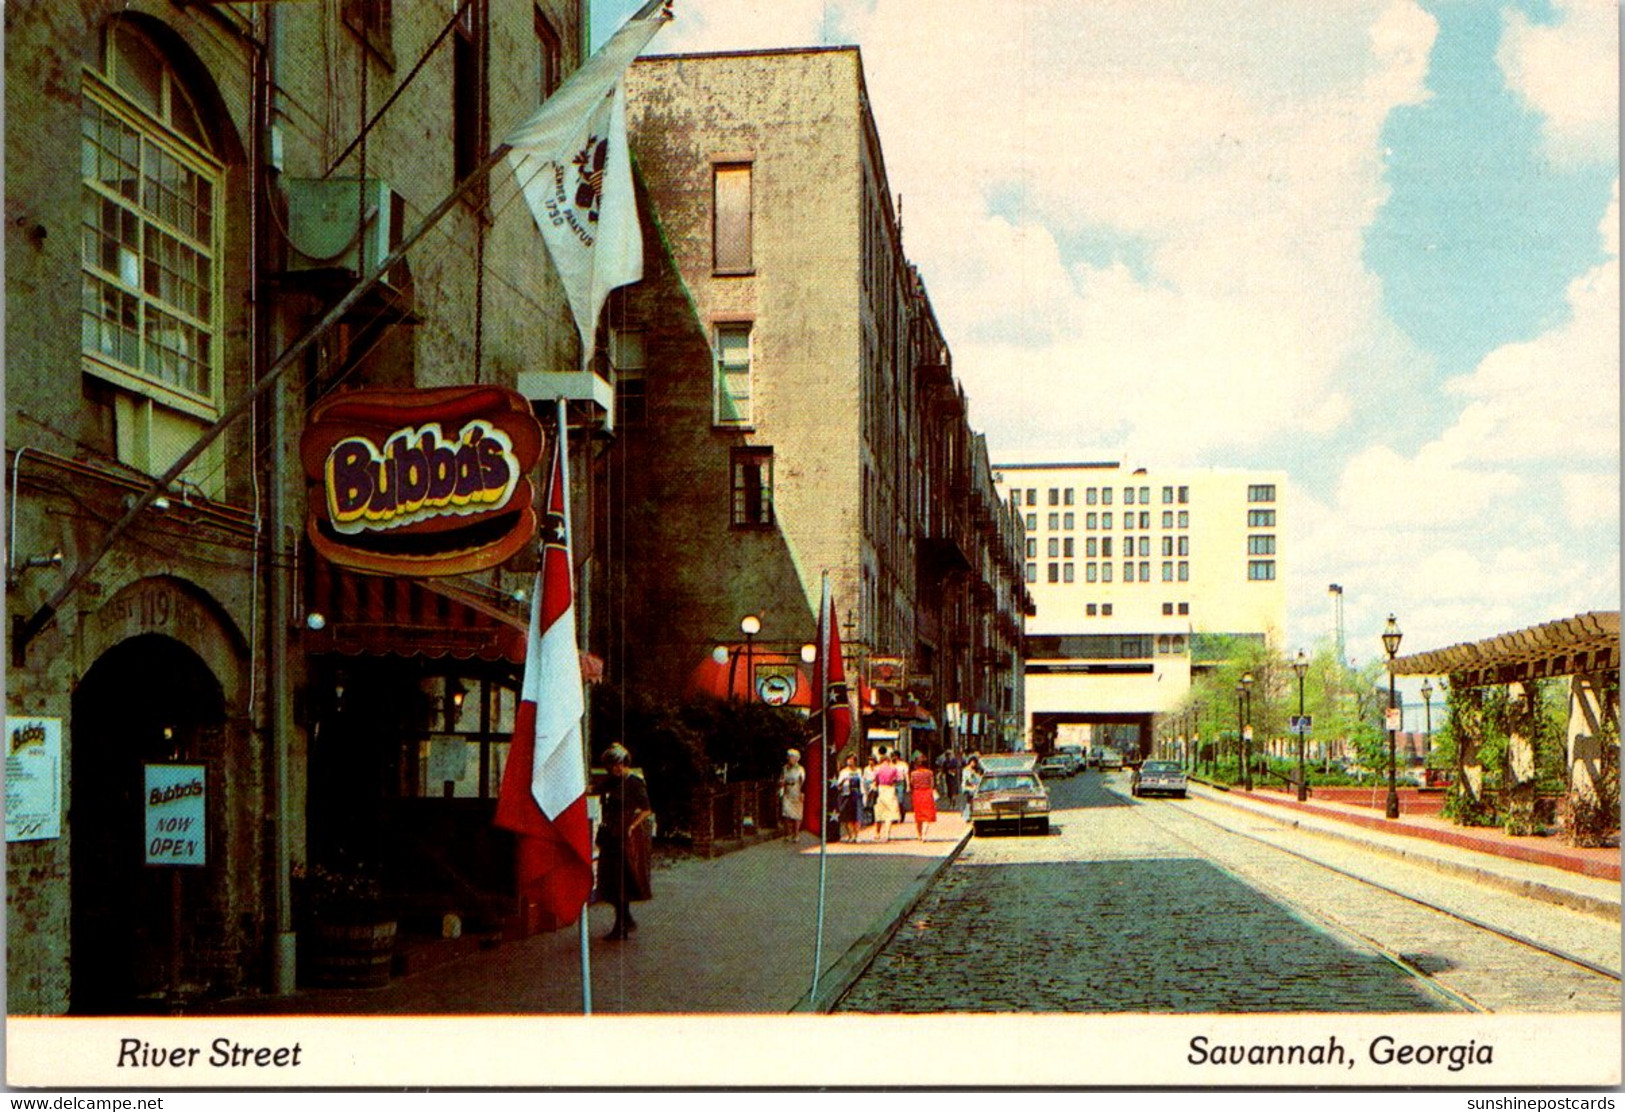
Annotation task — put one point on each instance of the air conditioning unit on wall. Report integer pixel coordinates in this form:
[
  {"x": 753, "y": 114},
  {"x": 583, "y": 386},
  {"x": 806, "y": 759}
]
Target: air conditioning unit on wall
[{"x": 345, "y": 224}]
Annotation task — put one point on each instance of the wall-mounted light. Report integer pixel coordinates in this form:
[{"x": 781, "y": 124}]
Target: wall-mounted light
[
  {"x": 809, "y": 653},
  {"x": 720, "y": 654},
  {"x": 315, "y": 621}
]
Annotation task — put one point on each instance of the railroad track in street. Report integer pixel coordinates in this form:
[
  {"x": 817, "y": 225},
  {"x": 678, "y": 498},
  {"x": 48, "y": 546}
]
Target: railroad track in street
[{"x": 1358, "y": 898}]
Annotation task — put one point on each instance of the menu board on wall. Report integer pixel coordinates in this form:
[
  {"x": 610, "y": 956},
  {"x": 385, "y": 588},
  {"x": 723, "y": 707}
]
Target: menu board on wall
[{"x": 33, "y": 779}]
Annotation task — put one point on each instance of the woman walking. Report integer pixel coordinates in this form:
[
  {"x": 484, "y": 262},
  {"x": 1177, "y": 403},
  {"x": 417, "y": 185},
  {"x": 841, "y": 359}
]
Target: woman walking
[
  {"x": 887, "y": 811},
  {"x": 849, "y": 799},
  {"x": 623, "y": 840},
  {"x": 922, "y": 783},
  {"x": 792, "y": 781},
  {"x": 968, "y": 781}
]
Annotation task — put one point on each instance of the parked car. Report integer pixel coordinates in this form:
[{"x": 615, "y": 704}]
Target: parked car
[
  {"x": 1013, "y": 800},
  {"x": 1158, "y": 777},
  {"x": 1110, "y": 758}
]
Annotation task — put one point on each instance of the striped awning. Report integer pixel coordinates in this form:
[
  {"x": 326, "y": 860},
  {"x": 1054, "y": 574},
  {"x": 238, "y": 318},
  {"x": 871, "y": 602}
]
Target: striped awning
[{"x": 382, "y": 615}]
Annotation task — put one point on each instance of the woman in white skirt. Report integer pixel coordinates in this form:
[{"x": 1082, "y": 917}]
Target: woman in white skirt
[{"x": 792, "y": 782}]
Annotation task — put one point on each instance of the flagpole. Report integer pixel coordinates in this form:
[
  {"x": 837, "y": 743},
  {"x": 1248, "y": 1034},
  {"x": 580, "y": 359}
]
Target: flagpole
[
  {"x": 569, "y": 551},
  {"x": 823, "y": 788}
]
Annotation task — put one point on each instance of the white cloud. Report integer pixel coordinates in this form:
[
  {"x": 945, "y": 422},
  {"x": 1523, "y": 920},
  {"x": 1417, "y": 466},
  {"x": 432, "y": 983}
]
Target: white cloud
[
  {"x": 1569, "y": 73},
  {"x": 1555, "y": 397}
]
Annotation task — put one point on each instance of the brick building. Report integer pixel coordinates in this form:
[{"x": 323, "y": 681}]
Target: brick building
[
  {"x": 789, "y": 408},
  {"x": 212, "y": 178}
]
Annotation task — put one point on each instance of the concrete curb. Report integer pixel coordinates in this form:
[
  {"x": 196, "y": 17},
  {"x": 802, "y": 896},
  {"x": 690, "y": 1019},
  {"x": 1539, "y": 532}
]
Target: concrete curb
[
  {"x": 1575, "y": 901},
  {"x": 834, "y": 982}
]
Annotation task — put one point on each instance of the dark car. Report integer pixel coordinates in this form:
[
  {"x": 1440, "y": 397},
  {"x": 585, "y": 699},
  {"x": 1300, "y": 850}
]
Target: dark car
[
  {"x": 1158, "y": 778},
  {"x": 1011, "y": 800}
]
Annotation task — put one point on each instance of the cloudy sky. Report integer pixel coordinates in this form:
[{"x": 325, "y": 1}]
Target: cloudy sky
[{"x": 1372, "y": 243}]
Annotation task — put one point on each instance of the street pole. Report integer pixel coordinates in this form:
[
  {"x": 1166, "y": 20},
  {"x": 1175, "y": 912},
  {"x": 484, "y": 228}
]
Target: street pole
[
  {"x": 1390, "y": 642},
  {"x": 1246, "y": 742},
  {"x": 1240, "y": 690},
  {"x": 1301, "y": 666},
  {"x": 1427, "y": 738}
]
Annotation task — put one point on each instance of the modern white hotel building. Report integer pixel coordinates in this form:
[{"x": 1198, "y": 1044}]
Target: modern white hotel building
[{"x": 1137, "y": 576}]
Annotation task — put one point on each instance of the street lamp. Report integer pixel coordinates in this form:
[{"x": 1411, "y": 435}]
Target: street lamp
[
  {"x": 750, "y": 625},
  {"x": 1240, "y": 761},
  {"x": 1301, "y": 666},
  {"x": 1390, "y": 642},
  {"x": 1427, "y": 738}
]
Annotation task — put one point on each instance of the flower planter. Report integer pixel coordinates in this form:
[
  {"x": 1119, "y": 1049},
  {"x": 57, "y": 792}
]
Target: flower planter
[{"x": 349, "y": 955}]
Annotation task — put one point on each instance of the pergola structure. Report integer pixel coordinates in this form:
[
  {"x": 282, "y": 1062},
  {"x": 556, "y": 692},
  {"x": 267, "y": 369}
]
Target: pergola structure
[{"x": 1584, "y": 648}]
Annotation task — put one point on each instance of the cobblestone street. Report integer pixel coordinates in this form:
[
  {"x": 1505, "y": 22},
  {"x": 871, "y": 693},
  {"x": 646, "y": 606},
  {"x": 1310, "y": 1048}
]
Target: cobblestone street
[{"x": 1143, "y": 906}]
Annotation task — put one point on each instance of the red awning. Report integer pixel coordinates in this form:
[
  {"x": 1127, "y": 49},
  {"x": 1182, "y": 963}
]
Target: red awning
[
  {"x": 781, "y": 679},
  {"x": 380, "y": 615}
]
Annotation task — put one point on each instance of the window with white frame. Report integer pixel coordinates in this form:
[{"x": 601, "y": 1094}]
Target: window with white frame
[
  {"x": 733, "y": 348},
  {"x": 149, "y": 244}
]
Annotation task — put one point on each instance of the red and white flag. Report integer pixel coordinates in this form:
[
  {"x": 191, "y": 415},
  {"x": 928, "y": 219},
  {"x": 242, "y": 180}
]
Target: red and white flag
[
  {"x": 575, "y": 171},
  {"x": 830, "y": 696},
  {"x": 544, "y": 785}
]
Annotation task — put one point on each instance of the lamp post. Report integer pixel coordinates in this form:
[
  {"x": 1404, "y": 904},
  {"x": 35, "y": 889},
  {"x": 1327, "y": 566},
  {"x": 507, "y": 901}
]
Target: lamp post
[
  {"x": 1240, "y": 691},
  {"x": 1390, "y": 642},
  {"x": 1427, "y": 702},
  {"x": 1301, "y": 667},
  {"x": 750, "y": 625}
]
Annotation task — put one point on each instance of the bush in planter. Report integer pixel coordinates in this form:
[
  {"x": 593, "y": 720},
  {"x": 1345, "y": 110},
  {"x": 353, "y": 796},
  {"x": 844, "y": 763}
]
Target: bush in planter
[{"x": 346, "y": 928}]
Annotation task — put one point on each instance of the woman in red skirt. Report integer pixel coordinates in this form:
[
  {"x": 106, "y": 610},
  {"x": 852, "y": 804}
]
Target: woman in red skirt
[{"x": 923, "y": 794}]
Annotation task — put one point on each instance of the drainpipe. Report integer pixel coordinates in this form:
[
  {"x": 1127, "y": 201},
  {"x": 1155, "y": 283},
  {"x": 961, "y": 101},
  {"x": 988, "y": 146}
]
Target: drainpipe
[{"x": 279, "y": 703}]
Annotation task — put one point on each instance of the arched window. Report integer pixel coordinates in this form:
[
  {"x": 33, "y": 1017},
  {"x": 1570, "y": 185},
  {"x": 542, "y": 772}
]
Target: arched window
[{"x": 150, "y": 241}]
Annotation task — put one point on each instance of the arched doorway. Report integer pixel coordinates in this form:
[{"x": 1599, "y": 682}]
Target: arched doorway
[{"x": 148, "y": 699}]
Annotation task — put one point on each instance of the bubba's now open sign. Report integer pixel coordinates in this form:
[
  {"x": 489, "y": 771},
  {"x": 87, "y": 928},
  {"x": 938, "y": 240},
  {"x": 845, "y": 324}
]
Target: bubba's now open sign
[{"x": 421, "y": 482}]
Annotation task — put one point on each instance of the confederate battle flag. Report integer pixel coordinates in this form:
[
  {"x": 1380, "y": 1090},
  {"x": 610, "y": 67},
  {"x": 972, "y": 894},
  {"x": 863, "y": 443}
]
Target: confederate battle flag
[{"x": 544, "y": 786}]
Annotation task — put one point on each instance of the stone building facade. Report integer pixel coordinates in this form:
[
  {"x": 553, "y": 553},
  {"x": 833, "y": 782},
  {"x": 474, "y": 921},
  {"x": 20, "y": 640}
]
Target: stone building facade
[
  {"x": 789, "y": 407},
  {"x": 190, "y": 187}
]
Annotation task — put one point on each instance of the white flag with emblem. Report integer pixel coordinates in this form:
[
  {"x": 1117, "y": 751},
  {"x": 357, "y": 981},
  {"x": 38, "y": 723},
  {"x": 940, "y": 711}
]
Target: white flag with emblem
[{"x": 574, "y": 169}]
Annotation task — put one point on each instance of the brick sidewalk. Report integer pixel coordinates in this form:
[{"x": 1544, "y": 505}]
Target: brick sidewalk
[{"x": 734, "y": 933}]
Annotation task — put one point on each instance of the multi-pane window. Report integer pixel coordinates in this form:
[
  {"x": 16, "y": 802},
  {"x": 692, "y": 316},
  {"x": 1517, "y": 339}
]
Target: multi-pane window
[
  {"x": 1260, "y": 569},
  {"x": 374, "y": 21},
  {"x": 1106, "y": 607},
  {"x": 551, "y": 55},
  {"x": 1090, "y": 574},
  {"x": 1032, "y": 573},
  {"x": 1261, "y": 546},
  {"x": 1145, "y": 519},
  {"x": 1128, "y": 572},
  {"x": 1261, "y": 519},
  {"x": 1066, "y": 496},
  {"x": 1091, "y": 609},
  {"x": 1168, "y": 608},
  {"x": 752, "y": 487},
  {"x": 1128, "y": 496},
  {"x": 1055, "y": 573},
  {"x": 1167, "y": 571},
  {"x": 1032, "y": 497},
  {"x": 1106, "y": 547},
  {"x": 150, "y": 232},
  {"x": 731, "y": 217},
  {"x": 1184, "y": 608},
  {"x": 1090, "y": 496},
  {"x": 1261, "y": 492},
  {"x": 1184, "y": 546},
  {"x": 1167, "y": 519},
  {"x": 1184, "y": 519},
  {"x": 1068, "y": 521},
  {"x": 1055, "y": 546},
  {"x": 1032, "y": 546},
  {"x": 1145, "y": 571},
  {"x": 626, "y": 356},
  {"x": 1106, "y": 576},
  {"x": 1145, "y": 496},
  {"x": 1066, "y": 573},
  {"x": 1184, "y": 494},
  {"x": 1054, "y": 496},
  {"x": 470, "y": 122},
  {"x": 1105, "y": 496},
  {"x": 1091, "y": 547},
  {"x": 733, "y": 374},
  {"x": 1092, "y": 521},
  {"x": 1167, "y": 495},
  {"x": 1167, "y": 546},
  {"x": 1184, "y": 573},
  {"x": 1145, "y": 546},
  {"x": 1032, "y": 522},
  {"x": 1015, "y": 497},
  {"x": 1066, "y": 548},
  {"x": 1054, "y": 521}
]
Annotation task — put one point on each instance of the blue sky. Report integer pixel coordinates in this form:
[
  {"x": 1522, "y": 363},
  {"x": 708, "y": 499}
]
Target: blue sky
[{"x": 1373, "y": 243}]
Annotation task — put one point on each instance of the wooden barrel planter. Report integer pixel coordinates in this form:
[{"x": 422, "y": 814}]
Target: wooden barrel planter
[{"x": 349, "y": 955}]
